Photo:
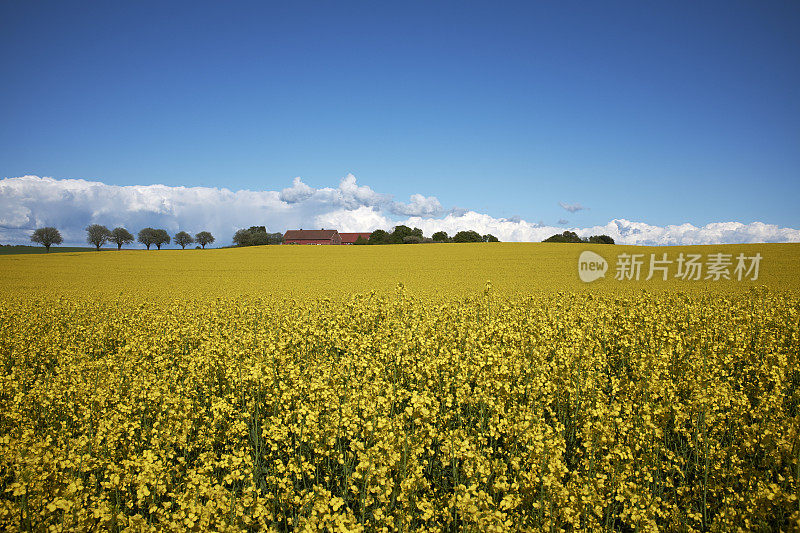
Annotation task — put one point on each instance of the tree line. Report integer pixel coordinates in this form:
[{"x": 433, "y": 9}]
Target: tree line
[
  {"x": 405, "y": 235},
  {"x": 98, "y": 235},
  {"x": 258, "y": 235},
  {"x": 571, "y": 236}
]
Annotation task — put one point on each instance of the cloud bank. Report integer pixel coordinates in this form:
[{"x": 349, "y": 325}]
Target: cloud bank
[{"x": 29, "y": 202}]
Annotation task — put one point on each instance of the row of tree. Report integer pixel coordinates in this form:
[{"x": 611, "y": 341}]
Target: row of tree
[
  {"x": 99, "y": 235},
  {"x": 405, "y": 235},
  {"x": 571, "y": 236},
  {"x": 464, "y": 236}
]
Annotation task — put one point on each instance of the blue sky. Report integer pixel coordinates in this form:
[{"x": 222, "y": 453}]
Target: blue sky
[{"x": 659, "y": 112}]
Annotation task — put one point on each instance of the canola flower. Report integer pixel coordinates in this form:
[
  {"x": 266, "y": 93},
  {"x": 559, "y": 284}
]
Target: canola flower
[{"x": 555, "y": 412}]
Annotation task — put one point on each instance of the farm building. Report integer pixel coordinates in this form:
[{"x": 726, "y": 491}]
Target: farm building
[
  {"x": 350, "y": 238},
  {"x": 312, "y": 236}
]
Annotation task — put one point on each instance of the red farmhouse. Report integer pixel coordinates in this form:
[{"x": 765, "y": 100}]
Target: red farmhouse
[
  {"x": 350, "y": 238},
  {"x": 312, "y": 236}
]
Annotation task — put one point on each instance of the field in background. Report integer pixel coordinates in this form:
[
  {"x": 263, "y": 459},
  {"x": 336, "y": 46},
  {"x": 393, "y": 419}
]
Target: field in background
[
  {"x": 428, "y": 271},
  {"x": 22, "y": 249},
  {"x": 257, "y": 388}
]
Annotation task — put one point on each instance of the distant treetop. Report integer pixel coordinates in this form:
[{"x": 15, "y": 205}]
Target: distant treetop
[{"x": 571, "y": 236}]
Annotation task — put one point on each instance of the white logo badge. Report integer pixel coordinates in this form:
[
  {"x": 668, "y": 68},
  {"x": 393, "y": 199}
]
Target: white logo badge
[{"x": 591, "y": 266}]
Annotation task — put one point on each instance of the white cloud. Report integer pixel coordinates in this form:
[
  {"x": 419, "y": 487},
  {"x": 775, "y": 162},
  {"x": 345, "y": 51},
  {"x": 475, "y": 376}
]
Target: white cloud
[
  {"x": 349, "y": 194},
  {"x": 361, "y": 219},
  {"x": 298, "y": 192},
  {"x": 353, "y": 196},
  {"x": 71, "y": 205},
  {"x": 623, "y": 231},
  {"x": 29, "y": 202},
  {"x": 627, "y": 232},
  {"x": 502, "y": 228},
  {"x": 572, "y": 208},
  {"x": 420, "y": 206}
]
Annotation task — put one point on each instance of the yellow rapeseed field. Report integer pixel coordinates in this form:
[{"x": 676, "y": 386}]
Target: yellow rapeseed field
[
  {"x": 396, "y": 388},
  {"x": 440, "y": 271}
]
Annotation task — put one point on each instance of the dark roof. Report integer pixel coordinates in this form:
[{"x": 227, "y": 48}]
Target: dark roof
[
  {"x": 352, "y": 237},
  {"x": 309, "y": 234}
]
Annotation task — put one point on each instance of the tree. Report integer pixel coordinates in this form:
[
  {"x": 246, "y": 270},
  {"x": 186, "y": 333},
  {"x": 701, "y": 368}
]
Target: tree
[
  {"x": 274, "y": 238},
  {"x": 412, "y": 239},
  {"x": 571, "y": 236},
  {"x": 120, "y": 236},
  {"x": 361, "y": 240},
  {"x": 183, "y": 239},
  {"x": 147, "y": 236},
  {"x": 400, "y": 233},
  {"x": 467, "y": 236},
  {"x": 204, "y": 238},
  {"x": 601, "y": 239},
  {"x": 47, "y": 237},
  {"x": 490, "y": 238},
  {"x": 567, "y": 236},
  {"x": 97, "y": 235},
  {"x": 160, "y": 237},
  {"x": 440, "y": 236},
  {"x": 378, "y": 236},
  {"x": 256, "y": 236},
  {"x": 241, "y": 238}
]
